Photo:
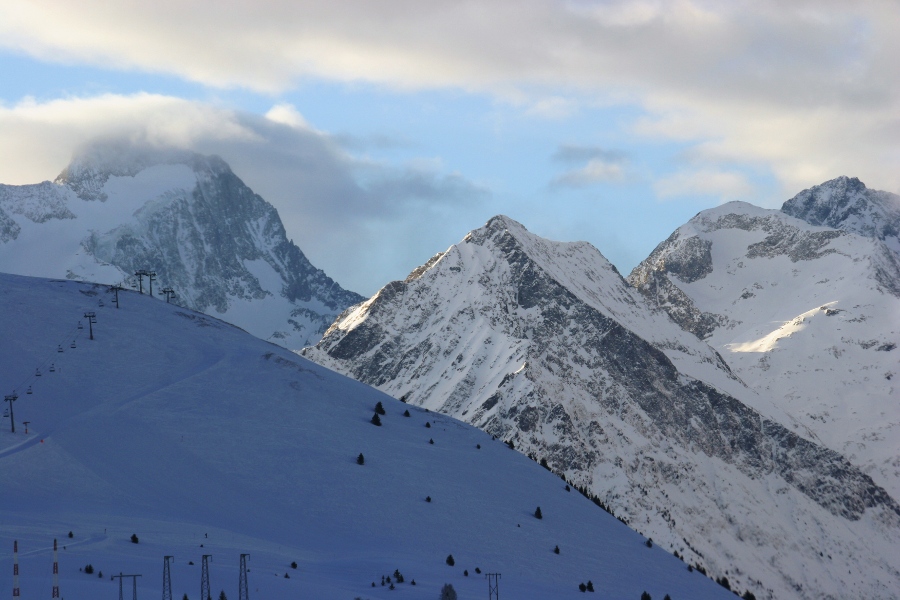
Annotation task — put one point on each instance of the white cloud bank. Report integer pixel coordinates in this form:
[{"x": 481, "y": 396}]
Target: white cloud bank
[{"x": 808, "y": 88}]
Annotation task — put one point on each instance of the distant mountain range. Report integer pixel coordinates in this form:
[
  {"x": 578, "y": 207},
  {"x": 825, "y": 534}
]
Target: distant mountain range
[
  {"x": 545, "y": 345},
  {"x": 733, "y": 398},
  {"x": 119, "y": 208}
]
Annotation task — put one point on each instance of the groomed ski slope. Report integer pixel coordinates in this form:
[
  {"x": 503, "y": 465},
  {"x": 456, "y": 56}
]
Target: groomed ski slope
[{"x": 186, "y": 431}]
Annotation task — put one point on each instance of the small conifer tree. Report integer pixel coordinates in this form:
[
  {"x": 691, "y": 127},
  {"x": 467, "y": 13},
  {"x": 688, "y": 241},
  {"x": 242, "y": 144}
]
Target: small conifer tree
[
  {"x": 185, "y": 597},
  {"x": 134, "y": 538},
  {"x": 406, "y": 413},
  {"x": 447, "y": 592},
  {"x": 360, "y": 460},
  {"x": 556, "y": 550},
  {"x": 222, "y": 595},
  {"x": 376, "y": 420},
  {"x": 646, "y": 596},
  {"x": 590, "y": 586},
  {"x": 379, "y": 409},
  {"x": 427, "y": 498},
  {"x": 582, "y": 587},
  {"x": 450, "y": 560},
  {"x": 431, "y": 441},
  {"x": 538, "y": 514},
  {"x": 466, "y": 573},
  {"x": 294, "y": 564},
  {"x": 71, "y": 535},
  {"x": 427, "y": 424}
]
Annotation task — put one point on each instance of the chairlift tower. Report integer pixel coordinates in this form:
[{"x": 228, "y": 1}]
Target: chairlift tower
[
  {"x": 91, "y": 319},
  {"x": 167, "y": 578},
  {"x": 11, "y": 398},
  {"x": 243, "y": 594},
  {"x": 120, "y": 577},
  {"x": 169, "y": 292},
  {"x": 140, "y": 274},
  {"x": 116, "y": 289},
  {"x": 493, "y": 585},
  {"x": 204, "y": 579},
  {"x": 151, "y": 275}
]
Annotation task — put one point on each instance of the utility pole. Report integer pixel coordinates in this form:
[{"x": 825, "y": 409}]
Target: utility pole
[
  {"x": 140, "y": 275},
  {"x": 11, "y": 398},
  {"x": 243, "y": 594},
  {"x": 120, "y": 577},
  {"x": 92, "y": 318},
  {"x": 169, "y": 292},
  {"x": 493, "y": 585},
  {"x": 167, "y": 578},
  {"x": 204, "y": 579},
  {"x": 15, "y": 569},
  {"x": 151, "y": 275},
  {"x": 55, "y": 571}
]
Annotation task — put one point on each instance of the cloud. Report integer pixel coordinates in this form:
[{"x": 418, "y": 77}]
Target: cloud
[
  {"x": 734, "y": 77},
  {"x": 598, "y": 165},
  {"x": 723, "y": 185},
  {"x": 340, "y": 209}
]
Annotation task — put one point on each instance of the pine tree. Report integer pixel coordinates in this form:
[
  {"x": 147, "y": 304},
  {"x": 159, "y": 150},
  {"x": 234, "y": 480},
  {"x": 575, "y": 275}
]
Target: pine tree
[
  {"x": 590, "y": 586},
  {"x": 450, "y": 560},
  {"x": 222, "y": 595},
  {"x": 376, "y": 420},
  {"x": 360, "y": 460},
  {"x": 556, "y": 550},
  {"x": 447, "y": 592},
  {"x": 582, "y": 587},
  {"x": 134, "y": 538},
  {"x": 185, "y": 597},
  {"x": 406, "y": 413},
  {"x": 646, "y": 596},
  {"x": 537, "y": 513},
  {"x": 379, "y": 409}
]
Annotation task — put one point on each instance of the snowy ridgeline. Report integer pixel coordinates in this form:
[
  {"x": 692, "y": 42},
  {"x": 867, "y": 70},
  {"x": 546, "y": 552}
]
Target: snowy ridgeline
[
  {"x": 545, "y": 344},
  {"x": 119, "y": 208},
  {"x": 200, "y": 439}
]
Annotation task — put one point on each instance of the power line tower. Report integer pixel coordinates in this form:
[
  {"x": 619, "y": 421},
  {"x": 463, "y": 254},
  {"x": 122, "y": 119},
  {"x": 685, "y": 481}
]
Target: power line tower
[
  {"x": 120, "y": 577},
  {"x": 140, "y": 274},
  {"x": 55, "y": 571},
  {"x": 493, "y": 585},
  {"x": 204, "y": 579},
  {"x": 243, "y": 594},
  {"x": 167, "y": 578},
  {"x": 169, "y": 292},
  {"x": 91, "y": 319},
  {"x": 11, "y": 398},
  {"x": 15, "y": 569}
]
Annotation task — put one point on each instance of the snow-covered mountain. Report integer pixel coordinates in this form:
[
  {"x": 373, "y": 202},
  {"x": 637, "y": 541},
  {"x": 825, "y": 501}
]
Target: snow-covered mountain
[
  {"x": 119, "y": 208},
  {"x": 545, "y": 345},
  {"x": 807, "y": 315},
  {"x": 201, "y": 439}
]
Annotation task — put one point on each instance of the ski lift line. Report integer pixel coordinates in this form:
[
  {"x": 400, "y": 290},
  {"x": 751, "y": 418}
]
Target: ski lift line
[{"x": 69, "y": 340}]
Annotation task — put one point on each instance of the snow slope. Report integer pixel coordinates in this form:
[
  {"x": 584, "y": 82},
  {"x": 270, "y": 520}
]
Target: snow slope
[
  {"x": 806, "y": 315},
  {"x": 545, "y": 344},
  {"x": 201, "y": 439},
  {"x": 119, "y": 208}
]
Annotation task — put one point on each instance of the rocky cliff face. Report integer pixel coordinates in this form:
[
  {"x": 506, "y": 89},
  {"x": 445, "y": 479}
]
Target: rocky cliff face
[
  {"x": 118, "y": 208},
  {"x": 806, "y": 314},
  {"x": 545, "y": 345}
]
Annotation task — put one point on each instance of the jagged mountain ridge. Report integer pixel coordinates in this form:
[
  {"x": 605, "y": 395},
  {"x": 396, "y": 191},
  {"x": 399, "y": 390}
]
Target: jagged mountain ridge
[
  {"x": 544, "y": 343},
  {"x": 118, "y": 208},
  {"x": 808, "y": 315}
]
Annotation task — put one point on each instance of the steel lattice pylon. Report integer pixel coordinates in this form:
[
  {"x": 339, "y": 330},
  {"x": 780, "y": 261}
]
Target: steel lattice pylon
[
  {"x": 204, "y": 579},
  {"x": 167, "y": 578},
  {"x": 243, "y": 594}
]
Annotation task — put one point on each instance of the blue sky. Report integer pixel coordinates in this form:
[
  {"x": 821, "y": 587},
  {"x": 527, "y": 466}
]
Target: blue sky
[{"x": 384, "y": 131}]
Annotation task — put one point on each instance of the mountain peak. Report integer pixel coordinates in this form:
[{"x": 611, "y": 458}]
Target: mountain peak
[
  {"x": 846, "y": 203},
  {"x": 93, "y": 164}
]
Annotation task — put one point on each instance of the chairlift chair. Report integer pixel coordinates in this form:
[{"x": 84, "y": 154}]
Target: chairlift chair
[
  {"x": 59, "y": 348},
  {"x": 52, "y": 367},
  {"x": 80, "y": 326},
  {"x": 5, "y": 413},
  {"x": 28, "y": 391},
  {"x": 72, "y": 345},
  {"x": 37, "y": 372},
  {"x": 101, "y": 304}
]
